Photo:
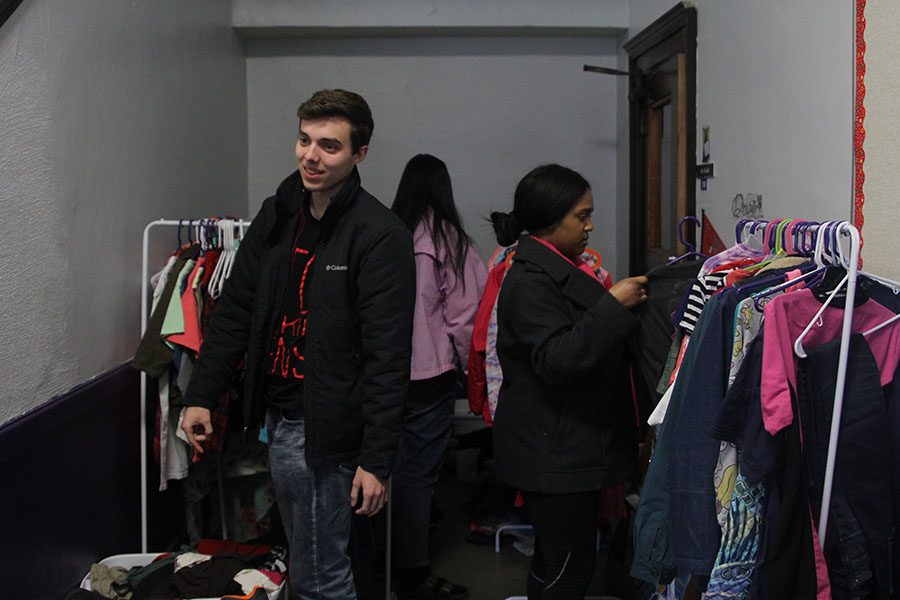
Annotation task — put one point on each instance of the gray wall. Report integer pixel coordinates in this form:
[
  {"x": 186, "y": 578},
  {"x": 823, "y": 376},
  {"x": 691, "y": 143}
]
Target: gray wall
[
  {"x": 491, "y": 107},
  {"x": 281, "y": 15},
  {"x": 111, "y": 114}
]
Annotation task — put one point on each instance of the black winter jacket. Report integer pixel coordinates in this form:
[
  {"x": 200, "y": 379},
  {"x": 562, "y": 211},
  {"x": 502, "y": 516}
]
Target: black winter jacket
[
  {"x": 358, "y": 338},
  {"x": 565, "y": 421}
]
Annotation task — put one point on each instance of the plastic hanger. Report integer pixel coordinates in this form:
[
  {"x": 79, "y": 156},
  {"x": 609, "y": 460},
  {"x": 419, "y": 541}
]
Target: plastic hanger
[
  {"x": 895, "y": 287},
  {"x": 226, "y": 260},
  {"x": 882, "y": 325},
  {"x": 740, "y": 229},
  {"x": 214, "y": 286},
  {"x": 804, "y": 238},
  {"x": 798, "y": 343},
  {"x": 757, "y": 226},
  {"x": 785, "y": 285},
  {"x": 828, "y": 232},
  {"x": 820, "y": 235},
  {"x": 780, "y": 249},
  {"x": 691, "y": 248},
  {"x": 232, "y": 250}
]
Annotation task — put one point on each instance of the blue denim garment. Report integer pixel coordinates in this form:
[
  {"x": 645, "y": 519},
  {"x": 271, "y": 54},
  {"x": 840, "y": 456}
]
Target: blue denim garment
[
  {"x": 676, "y": 477},
  {"x": 695, "y": 452},
  {"x": 654, "y": 541},
  {"x": 315, "y": 509}
]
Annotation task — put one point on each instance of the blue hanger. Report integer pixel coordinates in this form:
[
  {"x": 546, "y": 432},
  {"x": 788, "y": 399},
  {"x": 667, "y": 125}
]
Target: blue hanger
[{"x": 739, "y": 229}]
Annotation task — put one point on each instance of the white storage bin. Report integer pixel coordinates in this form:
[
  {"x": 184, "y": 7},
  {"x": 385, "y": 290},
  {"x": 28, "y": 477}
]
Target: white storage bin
[{"x": 139, "y": 560}]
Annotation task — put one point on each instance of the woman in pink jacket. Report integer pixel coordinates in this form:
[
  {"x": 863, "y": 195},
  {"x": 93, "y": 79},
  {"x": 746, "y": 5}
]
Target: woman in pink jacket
[{"x": 450, "y": 277}]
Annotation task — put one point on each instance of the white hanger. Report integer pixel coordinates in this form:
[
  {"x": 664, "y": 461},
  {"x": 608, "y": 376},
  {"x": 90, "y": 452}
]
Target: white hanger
[
  {"x": 818, "y": 256},
  {"x": 798, "y": 343},
  {"x": 824, "y": 230},
  {"x": 881, "y": 325},
  {"x": 895, "y": 287},
  {"x": 215, "y": 286},
  {"x": 232, "y": 250}
]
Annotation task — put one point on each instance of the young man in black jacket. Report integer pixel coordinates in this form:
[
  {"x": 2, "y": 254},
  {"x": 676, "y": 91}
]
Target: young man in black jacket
[{"x": 319, "y": 307}]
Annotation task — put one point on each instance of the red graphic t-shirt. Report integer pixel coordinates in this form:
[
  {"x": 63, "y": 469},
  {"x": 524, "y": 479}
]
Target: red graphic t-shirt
[{"x": 284, "y": 387}]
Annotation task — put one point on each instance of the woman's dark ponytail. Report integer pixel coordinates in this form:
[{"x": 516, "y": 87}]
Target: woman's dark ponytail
[
  {"x": 542, "y": 198},
  {"x": 506, "y": 227}
]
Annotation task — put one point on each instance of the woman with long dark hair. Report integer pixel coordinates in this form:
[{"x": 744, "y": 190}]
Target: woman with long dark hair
[
  {"x": 450, "y": 277},
  {"x": 564, "y": 425}
]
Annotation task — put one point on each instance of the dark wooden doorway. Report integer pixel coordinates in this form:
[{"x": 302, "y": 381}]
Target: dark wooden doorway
[{"x": 662, "y": 70}]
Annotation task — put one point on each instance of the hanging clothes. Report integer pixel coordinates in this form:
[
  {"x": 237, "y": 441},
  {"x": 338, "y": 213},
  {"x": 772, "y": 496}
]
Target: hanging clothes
[
  {"x": 787, "y": 316},
  {"x": 733, "y": 488},
  {"x": 860, "y": 548}
]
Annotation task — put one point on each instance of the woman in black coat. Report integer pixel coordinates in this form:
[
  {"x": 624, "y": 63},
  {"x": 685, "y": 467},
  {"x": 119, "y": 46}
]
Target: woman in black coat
[{"x": 564, "y": 426}]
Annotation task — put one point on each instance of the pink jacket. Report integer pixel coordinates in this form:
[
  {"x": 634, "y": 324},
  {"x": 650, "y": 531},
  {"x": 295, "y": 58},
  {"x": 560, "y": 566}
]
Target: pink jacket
[{"x": 445, "y": 307}]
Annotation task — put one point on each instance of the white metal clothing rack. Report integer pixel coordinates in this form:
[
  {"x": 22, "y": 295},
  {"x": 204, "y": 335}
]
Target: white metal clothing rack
[
  {"x": 145, "y": 281},
  {"x": 145, "y": 291},
  {"x": 837, "y": 230},
  {"x": 852, "y": 272}
]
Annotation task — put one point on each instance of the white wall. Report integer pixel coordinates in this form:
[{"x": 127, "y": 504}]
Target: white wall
[
  {"x": 111, "y": 114},
  {"x": 774, "y": 83},
  {"x": 491, "y": 107}
]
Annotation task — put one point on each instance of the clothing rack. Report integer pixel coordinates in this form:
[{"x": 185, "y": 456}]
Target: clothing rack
[
  {"x": 835, "y": 230},
  {"x": 194, "y": 226}
]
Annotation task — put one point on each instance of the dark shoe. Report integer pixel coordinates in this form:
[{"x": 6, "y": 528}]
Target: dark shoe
[{"x": 434, "y": 588}]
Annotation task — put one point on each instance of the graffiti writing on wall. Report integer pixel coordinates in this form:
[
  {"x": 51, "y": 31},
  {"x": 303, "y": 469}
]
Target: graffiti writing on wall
[{"x": 747, "y": 206}]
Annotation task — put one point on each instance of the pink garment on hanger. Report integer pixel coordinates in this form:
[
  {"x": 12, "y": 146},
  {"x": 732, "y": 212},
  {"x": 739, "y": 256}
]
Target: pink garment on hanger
[
  {"x": 823, "y": 583},
  {"x": 785, "y": 318}
]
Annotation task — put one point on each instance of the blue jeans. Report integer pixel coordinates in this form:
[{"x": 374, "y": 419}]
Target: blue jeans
[
  {"x": 426, "y": 429},
  {"x": 315, "y": 507}
]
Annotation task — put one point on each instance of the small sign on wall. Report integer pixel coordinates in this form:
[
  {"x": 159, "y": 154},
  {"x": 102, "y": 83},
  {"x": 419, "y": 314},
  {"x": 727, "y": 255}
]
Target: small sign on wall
[{"x": 706, "y": 170}]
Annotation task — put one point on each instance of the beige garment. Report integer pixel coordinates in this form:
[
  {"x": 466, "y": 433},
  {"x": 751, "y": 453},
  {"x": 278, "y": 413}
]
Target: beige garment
[
  {"x": 111, "y": 582},
  {"x": 783, "y": 263}
]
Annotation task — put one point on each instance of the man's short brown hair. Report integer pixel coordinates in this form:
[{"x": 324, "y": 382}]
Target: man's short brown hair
[{"x": 341, "y": 103}]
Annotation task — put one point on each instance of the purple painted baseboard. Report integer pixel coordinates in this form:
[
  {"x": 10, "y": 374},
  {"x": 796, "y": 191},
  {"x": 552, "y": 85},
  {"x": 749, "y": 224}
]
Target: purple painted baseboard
[{"x": 70, "y": 486}]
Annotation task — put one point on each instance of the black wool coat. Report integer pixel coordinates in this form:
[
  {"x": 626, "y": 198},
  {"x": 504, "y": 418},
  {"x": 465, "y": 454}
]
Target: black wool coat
[{"x": 565, "y": 420}]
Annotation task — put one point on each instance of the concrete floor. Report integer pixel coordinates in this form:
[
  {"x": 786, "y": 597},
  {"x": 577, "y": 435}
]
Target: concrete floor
[{"x": 489, "y": 575}]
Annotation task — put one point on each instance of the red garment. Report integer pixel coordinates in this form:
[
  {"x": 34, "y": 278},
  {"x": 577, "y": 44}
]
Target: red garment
[
  {"x": 475, "y": 367},
  {"x": 582, "y": 266},
  {"x": 191, "y": 338},
  {"x": 734, "y": 277},
  {"x": 736, "y": 264},
  {"x": 477, "y": 377}
]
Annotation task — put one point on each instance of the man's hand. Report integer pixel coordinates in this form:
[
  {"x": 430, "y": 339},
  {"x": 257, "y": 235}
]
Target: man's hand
[
  {"x": 197, "y": 426},
  {"x": 373, "y": 490}
]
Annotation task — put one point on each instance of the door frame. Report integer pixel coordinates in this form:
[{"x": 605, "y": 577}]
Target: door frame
[{"x": 673, "y": 33}]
